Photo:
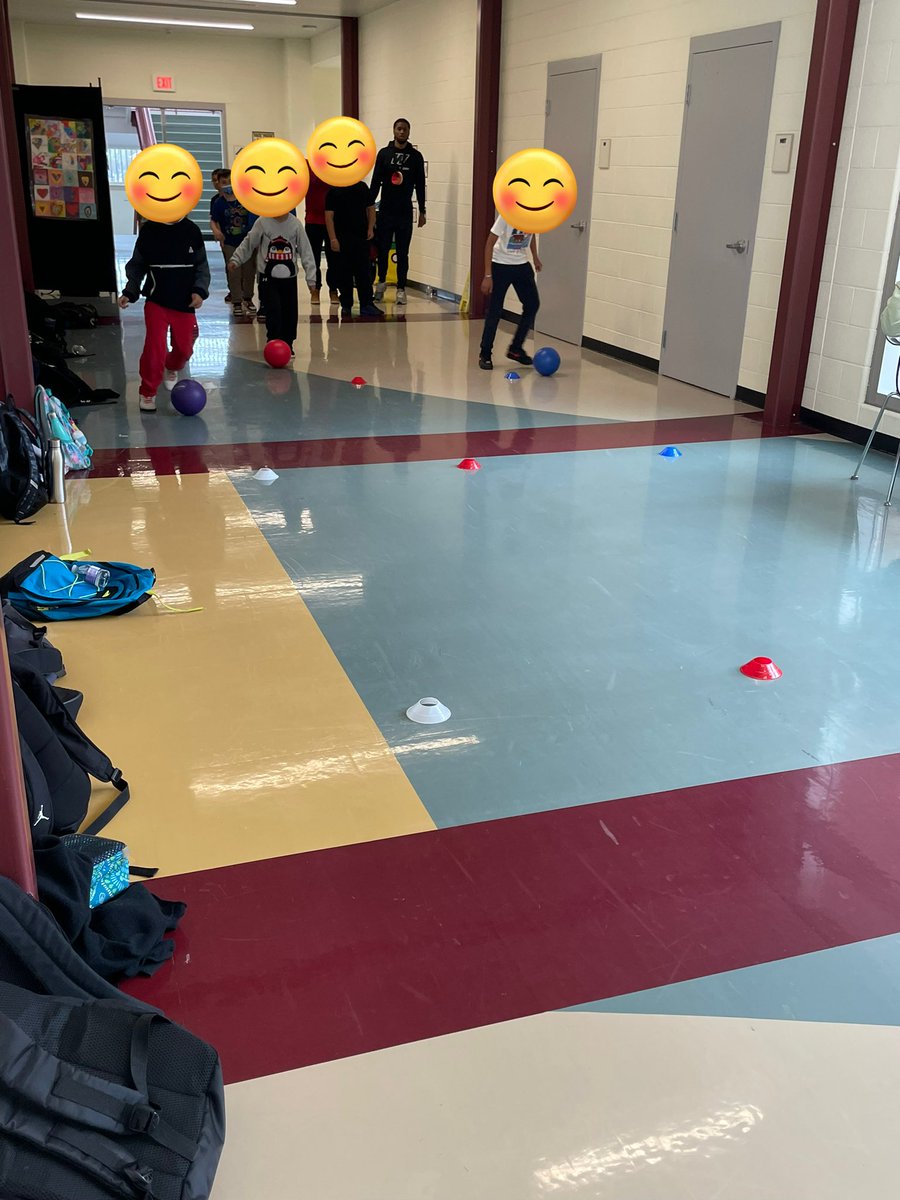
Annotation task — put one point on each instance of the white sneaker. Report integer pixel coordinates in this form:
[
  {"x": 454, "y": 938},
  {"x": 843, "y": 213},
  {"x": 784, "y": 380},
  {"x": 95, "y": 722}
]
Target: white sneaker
[
  {"x": 379, "y": 290},
  {"x": 170, "y": 379},
  {"x": 147, "y": 403},
  {"x": 401, "y": 295}
]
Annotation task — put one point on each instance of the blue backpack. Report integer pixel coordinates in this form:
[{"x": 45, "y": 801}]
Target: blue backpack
[{"x": 44, "y": 588}]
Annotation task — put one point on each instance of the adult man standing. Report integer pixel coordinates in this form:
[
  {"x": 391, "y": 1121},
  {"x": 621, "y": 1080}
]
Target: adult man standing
[{"x": 399, "y": 171}]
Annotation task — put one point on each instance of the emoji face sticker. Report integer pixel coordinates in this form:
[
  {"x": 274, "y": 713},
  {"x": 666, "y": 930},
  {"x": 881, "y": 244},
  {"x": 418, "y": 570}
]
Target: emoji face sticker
[
  {"x": 163, "y": 183},
  {"x": 535, "y": 190},
  {"x": 341, "y": 151},
  {"x": 270, "y": 177}
]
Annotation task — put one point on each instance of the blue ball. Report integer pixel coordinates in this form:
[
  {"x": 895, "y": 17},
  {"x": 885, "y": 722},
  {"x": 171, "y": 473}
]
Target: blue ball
[
  {"x": 188, "y": 397},
  {"x": 546, "y": 361}
]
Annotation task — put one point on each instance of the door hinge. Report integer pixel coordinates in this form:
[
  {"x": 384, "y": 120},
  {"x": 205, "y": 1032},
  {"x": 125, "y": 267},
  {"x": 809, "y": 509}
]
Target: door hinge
[
  {"x": 687, "y": 94},
  {"x": 664, "y": 336},
  {"x": 675, "y": 223},
  {"x": 547, "y": 109}
]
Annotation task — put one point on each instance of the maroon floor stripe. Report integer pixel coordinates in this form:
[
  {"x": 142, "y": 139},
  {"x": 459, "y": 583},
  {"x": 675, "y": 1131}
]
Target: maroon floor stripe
[
  {"x": 318, "y": 956},
  {"x": 343, "y": 452}
]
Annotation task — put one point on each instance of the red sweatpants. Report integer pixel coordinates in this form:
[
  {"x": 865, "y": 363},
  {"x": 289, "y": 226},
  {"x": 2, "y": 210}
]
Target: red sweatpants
[{"x": 157, "y": 356}]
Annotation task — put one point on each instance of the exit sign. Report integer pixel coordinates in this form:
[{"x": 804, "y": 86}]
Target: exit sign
[{"x": 163, "y": 83}]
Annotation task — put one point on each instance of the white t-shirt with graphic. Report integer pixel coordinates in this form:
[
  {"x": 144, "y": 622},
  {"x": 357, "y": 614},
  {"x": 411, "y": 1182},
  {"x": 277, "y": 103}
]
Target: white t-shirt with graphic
[{"x": 512, "y": 244}]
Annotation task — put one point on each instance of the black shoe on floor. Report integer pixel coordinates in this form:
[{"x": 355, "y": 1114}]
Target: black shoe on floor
[
  {"x": 346, "y": 312},
  {"x": 371, "y": 310},
  {"x": 519, "y": 356},
  {"x": 486, "y": 364}
]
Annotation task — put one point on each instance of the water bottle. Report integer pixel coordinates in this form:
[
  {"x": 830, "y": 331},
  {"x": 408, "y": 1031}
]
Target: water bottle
[
  {"x": 57, "y": 473},
  {"x": 98, "y": 577}
]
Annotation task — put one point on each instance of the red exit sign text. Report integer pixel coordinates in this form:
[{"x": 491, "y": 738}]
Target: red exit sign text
[{"x": 163, "y": 83}]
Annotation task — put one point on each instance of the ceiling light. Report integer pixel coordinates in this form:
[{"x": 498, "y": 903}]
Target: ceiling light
[
  {"x": 160, "y": 21},
  {"x": 292, "y": 3}
]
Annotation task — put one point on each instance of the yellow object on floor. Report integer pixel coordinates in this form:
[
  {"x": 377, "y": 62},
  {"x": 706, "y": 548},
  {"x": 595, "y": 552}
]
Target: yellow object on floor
[{"x": 237, "y": 728}]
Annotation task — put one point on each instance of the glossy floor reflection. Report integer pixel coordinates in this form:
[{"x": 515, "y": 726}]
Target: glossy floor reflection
[{"x": 383, "y": 917}]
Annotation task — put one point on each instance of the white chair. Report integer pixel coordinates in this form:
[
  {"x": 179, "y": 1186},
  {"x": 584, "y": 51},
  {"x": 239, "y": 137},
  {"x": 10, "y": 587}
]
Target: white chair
[{"x": 894, "y": 395}]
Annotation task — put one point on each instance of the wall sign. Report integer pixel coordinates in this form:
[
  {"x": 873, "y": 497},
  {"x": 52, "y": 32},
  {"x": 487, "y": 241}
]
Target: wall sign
[{"x": 163, "y": 83}]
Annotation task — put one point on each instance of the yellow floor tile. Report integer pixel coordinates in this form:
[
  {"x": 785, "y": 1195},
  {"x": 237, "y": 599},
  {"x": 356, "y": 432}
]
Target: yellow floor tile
[{"x": 237, "y": 727}]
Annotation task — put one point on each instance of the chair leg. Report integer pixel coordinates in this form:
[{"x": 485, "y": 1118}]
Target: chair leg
[{"x": 871, "y": 439}]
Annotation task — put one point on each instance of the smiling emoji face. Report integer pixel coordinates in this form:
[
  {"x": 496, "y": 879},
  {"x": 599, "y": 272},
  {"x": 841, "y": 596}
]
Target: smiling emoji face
[
  {"x": 163, "y": 183},
  {"x": 341, "y": 151},
  {"x": 270, "y": 177},
  {"x": 535, "y": 190}
]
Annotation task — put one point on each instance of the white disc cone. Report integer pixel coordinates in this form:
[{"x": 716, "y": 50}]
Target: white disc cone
[
  {"x": 428, "y": 711},
  {"x": 265, "y": 475}
]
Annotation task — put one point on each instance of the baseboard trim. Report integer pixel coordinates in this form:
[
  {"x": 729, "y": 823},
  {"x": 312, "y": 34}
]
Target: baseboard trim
[
  {"x": 749, "y": 396},
  {"x": 885, "y": 442},
  {"x": 435, "y": 293},
  {"x": 622, "y": 354}
]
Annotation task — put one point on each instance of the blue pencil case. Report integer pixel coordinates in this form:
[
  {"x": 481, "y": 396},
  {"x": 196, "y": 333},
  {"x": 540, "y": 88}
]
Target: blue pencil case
[{"x": 110, "y": 861}]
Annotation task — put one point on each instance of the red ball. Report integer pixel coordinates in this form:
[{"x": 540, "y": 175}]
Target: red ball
[{"x": 277, "y": 353}]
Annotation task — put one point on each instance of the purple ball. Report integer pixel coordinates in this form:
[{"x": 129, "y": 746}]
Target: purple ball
[{"x": 188, "y": 397}]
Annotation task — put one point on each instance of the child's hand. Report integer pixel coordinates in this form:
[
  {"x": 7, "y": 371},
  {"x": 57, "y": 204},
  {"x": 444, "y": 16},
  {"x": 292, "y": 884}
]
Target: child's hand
[
  {"x": 335, "y": 245},
  {"x": 538, "y": 265},
  {"x": 123, "y": 301},
  {"x": 196, "y": 300},
  {"x": 487, "y": 285}
]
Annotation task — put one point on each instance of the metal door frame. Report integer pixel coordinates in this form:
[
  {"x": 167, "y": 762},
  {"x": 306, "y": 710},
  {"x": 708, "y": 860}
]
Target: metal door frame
[
  {"x": 571, "y": 66},
  {"x": 730, "y": 39}
]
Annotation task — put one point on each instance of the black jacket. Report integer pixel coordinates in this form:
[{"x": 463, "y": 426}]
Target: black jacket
[
  {"x": 170, "y": 262},
  {"x": 397, "y": 174}
]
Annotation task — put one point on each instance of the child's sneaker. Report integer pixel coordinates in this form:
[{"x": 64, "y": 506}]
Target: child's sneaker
[
  {"x": 237, "y": 310},
  {"x": 249, "y": 308},
  {"x": 170, "y": 379},
  {"x": 379, "y": 290},
  {"x": 486, "y": 362},
  {"x": 147, "y": 403},
  {"x": 519, "y": 356},
  {"x": 401, "y": 295}
]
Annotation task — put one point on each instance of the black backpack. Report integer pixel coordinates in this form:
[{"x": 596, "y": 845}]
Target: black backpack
[
  {"x": 24, "y": 465},
  {"x": 100, "y": 1096},
  {"x": 28, "y": 643},
  {"x": 58, "y": 759}
]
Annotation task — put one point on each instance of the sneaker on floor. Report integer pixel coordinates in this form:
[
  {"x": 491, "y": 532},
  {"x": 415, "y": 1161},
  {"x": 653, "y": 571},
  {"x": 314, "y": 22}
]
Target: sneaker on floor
[
  {"x": 334, "y": 296},
  {"x": 237, "y": 309},
  {"x": 401, "y": 295},
  {"x": 261, "y": 315},
  {"x": 519, "y": 356},
  {"x": 249, "y": 308},
  {"x": 369, "y": 310},
  {"x": 315, "y": 296},
  {"x": 147, "y": 403},
  {"x": 486, "y": 362},
  {"x": 170, "y": 379},
  {"x": 379, "y": 290},
  {"x": 228, "y": 297}
]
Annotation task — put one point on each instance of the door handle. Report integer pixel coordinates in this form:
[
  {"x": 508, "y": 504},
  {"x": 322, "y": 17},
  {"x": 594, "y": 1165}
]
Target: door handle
[
  {"x": 739, "y": 245},
  {"x": 580, "y": 226}
]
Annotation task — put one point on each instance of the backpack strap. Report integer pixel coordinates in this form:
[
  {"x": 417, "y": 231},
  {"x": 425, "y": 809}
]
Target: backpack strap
[{"x": 114, "y": 807}]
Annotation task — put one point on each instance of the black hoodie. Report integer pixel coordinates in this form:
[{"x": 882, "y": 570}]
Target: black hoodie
[
  {"x": 173, "y": 260},
  {"x": 397, "y": 174}
]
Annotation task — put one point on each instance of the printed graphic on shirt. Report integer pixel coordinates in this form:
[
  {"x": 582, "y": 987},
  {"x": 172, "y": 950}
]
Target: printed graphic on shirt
[
  {"x": 279, "y": 259},
  {"x": 399, "y": 161},
  {"x": 518, "y": 241}
]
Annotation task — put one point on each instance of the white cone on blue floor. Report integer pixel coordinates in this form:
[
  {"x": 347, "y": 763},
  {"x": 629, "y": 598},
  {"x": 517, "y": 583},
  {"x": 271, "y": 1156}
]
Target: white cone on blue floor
[
  {"x": 428, "y": 711},
  {"x": 265, "y": 475}
]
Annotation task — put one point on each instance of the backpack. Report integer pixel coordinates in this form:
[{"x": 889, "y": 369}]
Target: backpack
[
  {"x": 100, "y": 1095},
  {"x": 28, "y": 643},
  {"x": 54, "y": 421},
  {"x": 58, "y": 759},
  {"x": 43, "y": 587},
  {"x": 24, "y": 465},
  {"x": 51, "y": 371}
]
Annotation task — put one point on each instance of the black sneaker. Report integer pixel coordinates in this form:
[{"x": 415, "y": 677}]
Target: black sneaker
[
  {"x": 519, "y": 356},
  {"x": 486, "y": 364},
  {"x": 371, "y": 310}
]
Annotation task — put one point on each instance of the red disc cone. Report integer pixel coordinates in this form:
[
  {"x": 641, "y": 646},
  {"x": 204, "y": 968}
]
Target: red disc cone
[
  {"x": 761, "y": 668},
  {"x": 468, "y": 464},
  {"x": 358, "y": 381}
]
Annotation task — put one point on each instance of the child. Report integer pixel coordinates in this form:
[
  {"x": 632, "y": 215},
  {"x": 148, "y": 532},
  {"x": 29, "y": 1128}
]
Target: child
[
  {"x": 231, "y": 223},
  {"x": 170, "y": 269},
  {"x": 214, "y": 178},
  {"x": 506, "y": 265},
  {"x": 350, "y": 221},
  {"x": 276, "y": 243}
]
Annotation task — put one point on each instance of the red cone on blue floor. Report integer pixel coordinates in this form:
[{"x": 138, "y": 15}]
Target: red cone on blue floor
[
  {"x": 761, "y": 668},
  {"x": 468, "y": 464},
  {"x": 358, "y": 381}
]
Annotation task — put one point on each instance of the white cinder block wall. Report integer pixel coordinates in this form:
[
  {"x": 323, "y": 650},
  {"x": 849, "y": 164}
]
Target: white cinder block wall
[
  {"x": 645, "y": 46},
  {"x": 417, "y": 60},
  {"x": 861, "y": 227}
]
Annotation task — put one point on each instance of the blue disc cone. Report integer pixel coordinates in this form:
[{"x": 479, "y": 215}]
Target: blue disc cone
[
  {"x": 512, "y": 376},
  {"x": 670, "y": 452}
]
